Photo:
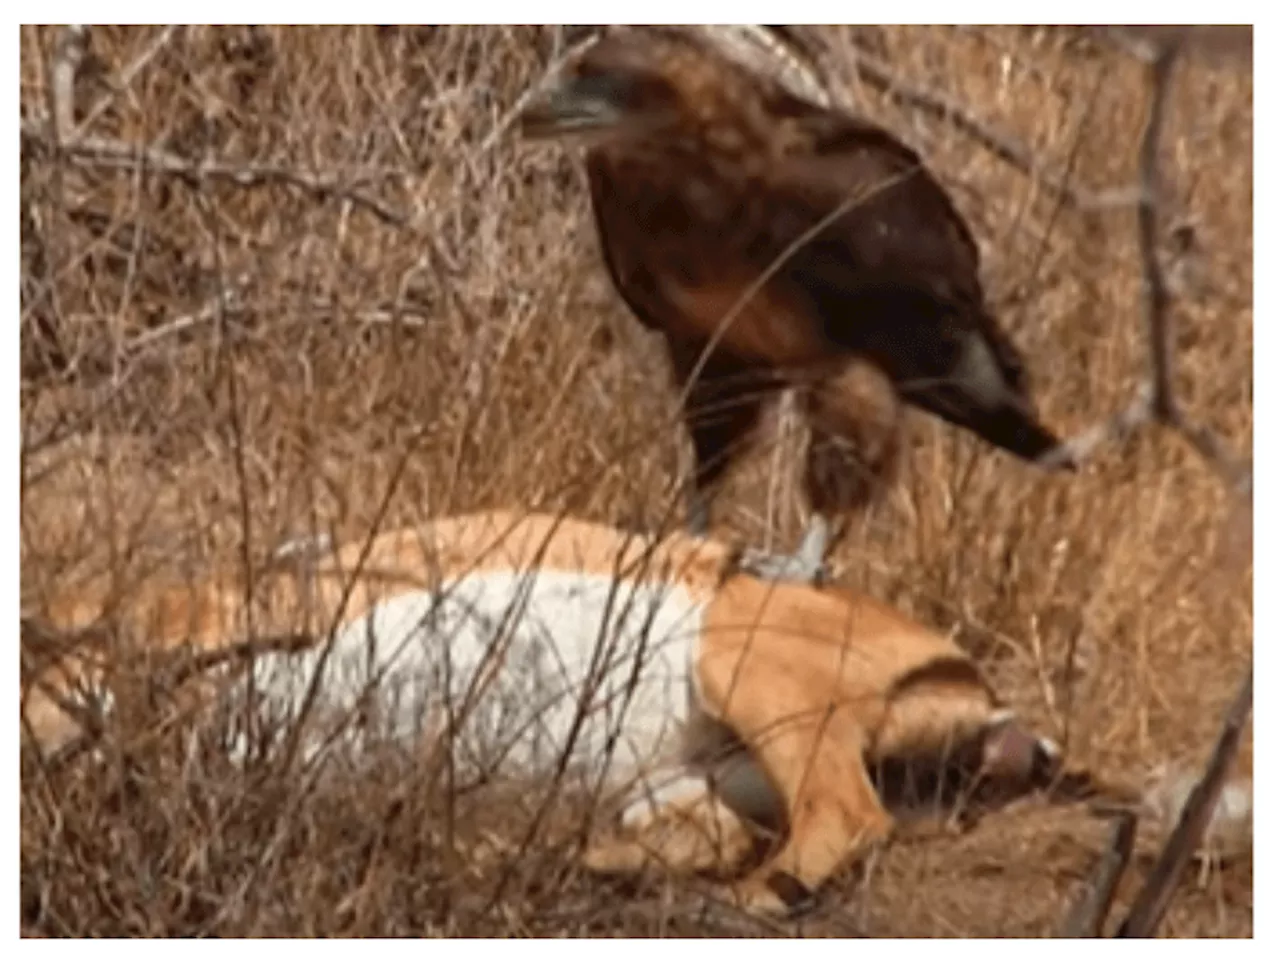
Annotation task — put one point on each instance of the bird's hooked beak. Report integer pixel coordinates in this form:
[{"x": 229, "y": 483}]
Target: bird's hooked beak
[
  {"x": 600, "y": 106},
  {"x": 575, "y": 105}
]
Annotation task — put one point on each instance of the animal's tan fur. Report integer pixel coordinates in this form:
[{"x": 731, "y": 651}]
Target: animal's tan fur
[{"x": 813, "y": 682}]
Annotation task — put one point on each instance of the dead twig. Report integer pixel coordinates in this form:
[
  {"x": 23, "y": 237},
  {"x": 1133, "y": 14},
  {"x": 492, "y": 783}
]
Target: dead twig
[
  {"x": 881, "y": 77},
  {"x": 72, "y": 47},
  {"x": 126, "y": 78},
  {"x": 1006, "y": 147},
  {"x": 501, "y": 128},
  {"x": 1155, "y": 400},
  {"x": 1153, "y": 899},
  {"x": 1090, "y": 911},
  {"x": 228, "y": 300},
  {"x": 118, "y": 155},
  {"x": 1212, "y": 40}
]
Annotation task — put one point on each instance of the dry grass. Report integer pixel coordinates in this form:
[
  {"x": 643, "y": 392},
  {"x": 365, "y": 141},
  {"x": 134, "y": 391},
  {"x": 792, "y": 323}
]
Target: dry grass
[{"x": 210, "y": 367}]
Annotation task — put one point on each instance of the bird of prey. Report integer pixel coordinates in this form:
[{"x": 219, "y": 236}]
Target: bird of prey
[{"x": 779, "y": 243}]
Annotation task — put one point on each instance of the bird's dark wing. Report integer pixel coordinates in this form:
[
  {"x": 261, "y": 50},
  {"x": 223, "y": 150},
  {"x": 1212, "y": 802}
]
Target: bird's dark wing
[
  {"x": 631, "y": 285},
  {"x": 896, "y": 278},
  {"x": 942, "y": 358}
]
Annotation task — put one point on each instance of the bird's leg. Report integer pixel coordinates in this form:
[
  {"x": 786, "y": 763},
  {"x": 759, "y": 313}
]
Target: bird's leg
[
  {"x": 853, "y": 413},
  {"x": 807, "y": 565},
  {"x": 722, "y": 408}
]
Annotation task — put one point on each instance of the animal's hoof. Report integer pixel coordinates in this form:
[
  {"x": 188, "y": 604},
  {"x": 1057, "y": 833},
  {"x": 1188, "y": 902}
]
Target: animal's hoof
[
  {"x": 777, "y": 895},
  {"x": 615, "y": 857},
  {"x": 1013, "y": 755},
  {"x": 784, "y": 566},
  {"x": 754, "y": 897}
]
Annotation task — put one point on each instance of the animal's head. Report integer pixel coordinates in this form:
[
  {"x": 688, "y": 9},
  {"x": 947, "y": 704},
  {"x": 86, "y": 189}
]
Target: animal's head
[
  {"x": 635, "y": 83},
  {"x": 625, "y": 86}
]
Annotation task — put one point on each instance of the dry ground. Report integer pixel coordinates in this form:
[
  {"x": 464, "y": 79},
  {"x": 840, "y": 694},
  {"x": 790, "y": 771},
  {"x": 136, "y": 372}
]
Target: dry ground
[{"x": 211, "y": 366}]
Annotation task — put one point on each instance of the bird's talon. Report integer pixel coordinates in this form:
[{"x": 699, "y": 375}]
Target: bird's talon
[{"x": 782, "y": 566}]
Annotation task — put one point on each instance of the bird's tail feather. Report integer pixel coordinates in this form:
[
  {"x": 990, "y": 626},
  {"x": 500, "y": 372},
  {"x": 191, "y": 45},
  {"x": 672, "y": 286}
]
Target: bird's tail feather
[{"x": 1008, "y": 426}]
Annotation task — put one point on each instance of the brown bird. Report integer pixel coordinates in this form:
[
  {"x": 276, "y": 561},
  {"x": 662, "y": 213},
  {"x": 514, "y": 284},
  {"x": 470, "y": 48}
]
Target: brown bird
[{"x": 778, "y": 243}]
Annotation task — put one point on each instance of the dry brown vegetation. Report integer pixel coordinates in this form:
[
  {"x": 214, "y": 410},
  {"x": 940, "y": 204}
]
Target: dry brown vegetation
[{"x": 374, "y": 305}]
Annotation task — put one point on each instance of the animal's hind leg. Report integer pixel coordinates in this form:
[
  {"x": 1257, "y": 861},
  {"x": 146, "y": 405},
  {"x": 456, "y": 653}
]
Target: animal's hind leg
[
  {"x": 683, "y": 827},
  {"x": 722, "y": 406},
  {"x": 811, "y": 749}
]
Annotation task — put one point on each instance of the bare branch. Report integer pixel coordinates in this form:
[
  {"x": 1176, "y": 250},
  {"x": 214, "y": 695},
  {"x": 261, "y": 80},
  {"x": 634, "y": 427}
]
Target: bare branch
[
  {"x": 73, "y": 45},
  {"x": 126, "y": 77},
  {"x": 880, "y": 76},
  {"x": 1153, "y": 900},
  {"x": 1156, "y": 400},
  {"x": 1214, "y": 40},
  {"x": 1115, "y": 429},
  {"x": 1146, "y": 46},
  {"x": 118, "y": 155},
  {"x": 1157, "y": 300},
  {"x": 1090, "y": 911},
  {"x": 501, "y": 128},
  {"x": 207, "y": 313}
]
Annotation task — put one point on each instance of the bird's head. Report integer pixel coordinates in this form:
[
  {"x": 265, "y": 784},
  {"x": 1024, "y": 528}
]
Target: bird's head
[{"x": 621, "y": 88}]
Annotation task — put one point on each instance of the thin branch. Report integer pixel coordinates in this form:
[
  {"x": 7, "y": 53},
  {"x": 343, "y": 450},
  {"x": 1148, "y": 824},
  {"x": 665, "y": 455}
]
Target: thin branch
[
  {"x": 1090, "y": 911},
  {"x": 118, "y": 155},
  {"x": 505, "y": 123},
  {"x": 209, "y": 312},
  {"x": 1156, "y": 400},
  {"x": 228, "y": 300},
  {"x": 1008, "y": 148},
  {"x": 1157, "y": 300},
  {"x": 880, "y": 76},
  {"x": 1153, "y": 899},
  {"x": 1115, "y": 429},
  {"x": 73, "y": 45},
  {"x": 126, "y": 78},
  {"x": 1211, "y": 40}
]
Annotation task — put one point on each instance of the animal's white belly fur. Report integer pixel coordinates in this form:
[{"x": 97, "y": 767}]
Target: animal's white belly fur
[{"x": 559, "y": 636}]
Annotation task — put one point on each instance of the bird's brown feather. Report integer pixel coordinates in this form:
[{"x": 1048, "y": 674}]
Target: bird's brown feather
[{"x": 791, "y": 236}]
